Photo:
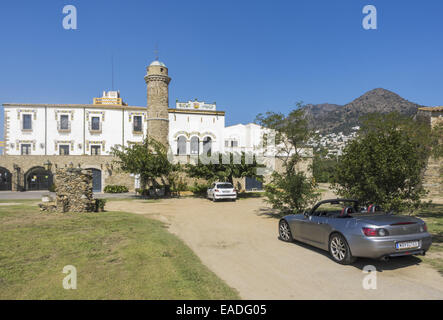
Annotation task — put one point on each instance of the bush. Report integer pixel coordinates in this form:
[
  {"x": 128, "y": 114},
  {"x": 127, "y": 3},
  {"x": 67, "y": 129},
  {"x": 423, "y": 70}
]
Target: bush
[
  {"x": 100, "y": 205},
  {"x": 52, "y": 188},
  {"x": 323, "y": 169},
  {"x": 115, "y": 189},
  {"x": 141, "y": 191},
  {"x": 199, "y": 189},
  {"x": 292, "y": 192}
]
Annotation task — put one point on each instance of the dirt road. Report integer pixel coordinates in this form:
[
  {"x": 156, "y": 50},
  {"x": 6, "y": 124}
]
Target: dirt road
[{"x": 239, "y": 242}]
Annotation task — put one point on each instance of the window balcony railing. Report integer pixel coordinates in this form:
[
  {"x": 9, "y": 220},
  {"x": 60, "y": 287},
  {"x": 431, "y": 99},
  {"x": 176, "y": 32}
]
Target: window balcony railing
[
  {"x": 66, "y": 127},
  {"x": 95, "y": 128}
]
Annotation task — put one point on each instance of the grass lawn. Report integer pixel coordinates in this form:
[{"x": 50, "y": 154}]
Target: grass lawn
[
  {"x": 117, "y": 256},
  {"x": 434, "y": 219}
]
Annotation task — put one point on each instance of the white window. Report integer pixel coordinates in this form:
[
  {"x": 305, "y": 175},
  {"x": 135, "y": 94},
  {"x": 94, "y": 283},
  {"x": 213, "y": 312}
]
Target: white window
[
  {"x": 63, "y": 150},
  {"x": 95, "y": 150},
  {"x": 231, "y": 143},
  {"x": 137, "y": 126},
  {"x": 195, "y": 141},
  {"x": 95, "y": 124},
  {"x": 207, "y": 146},
  {"x": 25, "y": 149},
  {"x": 181, "y": 145},
  {"x": 64, "y": 122},
  {"x": 27, "y": 122}
]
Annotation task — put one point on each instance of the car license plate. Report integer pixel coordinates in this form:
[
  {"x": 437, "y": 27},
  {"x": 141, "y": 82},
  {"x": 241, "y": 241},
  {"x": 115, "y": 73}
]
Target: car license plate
[
  {"x": 407, "y": 245},
  {"x": 225, "y": 191}
]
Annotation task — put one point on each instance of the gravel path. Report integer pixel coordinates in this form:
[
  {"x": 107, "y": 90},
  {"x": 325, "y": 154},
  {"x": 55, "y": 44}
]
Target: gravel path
[{"x": 238, "y": 241}]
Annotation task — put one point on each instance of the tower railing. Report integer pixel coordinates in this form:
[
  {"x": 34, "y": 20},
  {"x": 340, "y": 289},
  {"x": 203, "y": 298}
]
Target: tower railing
[{"x": 113, "y": 101}]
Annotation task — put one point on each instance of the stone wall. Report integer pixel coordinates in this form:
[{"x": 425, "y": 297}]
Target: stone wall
[
  {"x": 110, "y": 173},
  {"x": 23, "y": 164},
  {"x": 433, "y": 176},
  {"x": 74, "y": 190}
]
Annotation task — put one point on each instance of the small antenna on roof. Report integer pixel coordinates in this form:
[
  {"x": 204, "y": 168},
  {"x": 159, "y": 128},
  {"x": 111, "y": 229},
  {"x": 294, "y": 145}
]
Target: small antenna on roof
[
  {"x": 112, "y": 70},
  {"x": 156, "y": 51}
]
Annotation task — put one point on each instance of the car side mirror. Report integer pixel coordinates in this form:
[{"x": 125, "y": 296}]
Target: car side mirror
[{"x": 306, "y": 214}]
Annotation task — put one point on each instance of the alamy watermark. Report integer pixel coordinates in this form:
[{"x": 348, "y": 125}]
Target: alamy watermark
[
  {"x": 370, "y": 20},
  {"x": 70, "y": 281},
  {"x": 70, "y": 20},
  {"x": 370, "y": 280}
]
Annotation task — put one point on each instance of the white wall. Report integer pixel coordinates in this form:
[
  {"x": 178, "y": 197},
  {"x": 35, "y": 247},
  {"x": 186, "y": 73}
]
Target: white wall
[
  {"x": 16, "y": 136},
  {"x": 116, "y": 129},
  {"x": 56, "y": 138},
  {"x": 249, "y": 137},
  {"x": 194, "y": 124}
]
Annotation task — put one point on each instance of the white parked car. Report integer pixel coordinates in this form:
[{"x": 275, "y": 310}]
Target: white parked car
[{"x": 222, "y": 190}]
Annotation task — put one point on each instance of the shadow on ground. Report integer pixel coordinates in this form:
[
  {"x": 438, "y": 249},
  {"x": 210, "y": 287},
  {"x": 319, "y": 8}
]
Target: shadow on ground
[
  {"x": 270, "y": 213},
  {"x": 433, "y": 210},
  {"x": 391, "y": 264}
]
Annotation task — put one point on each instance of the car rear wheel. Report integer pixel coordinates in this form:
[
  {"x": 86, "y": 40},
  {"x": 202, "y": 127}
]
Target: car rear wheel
[
  {"x": 284, "y": 231},
  {"x": 339, "y": 249}
]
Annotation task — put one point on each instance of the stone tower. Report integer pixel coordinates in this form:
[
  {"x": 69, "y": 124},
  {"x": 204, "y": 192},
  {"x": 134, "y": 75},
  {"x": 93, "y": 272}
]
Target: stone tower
[{"x": 157, "y": 81}]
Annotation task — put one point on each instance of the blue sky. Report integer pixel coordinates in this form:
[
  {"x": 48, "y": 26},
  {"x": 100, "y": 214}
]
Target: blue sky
[{"x": 248, "y": 56}]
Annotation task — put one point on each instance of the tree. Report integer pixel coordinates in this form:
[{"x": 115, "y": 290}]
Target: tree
[
  {"x": 289, "y": 190},
  {"x": 293, "y": 192},
  {"x": 323, "y": 168},
  {"x": 291, "y": 133},
  {"x": 148, "y": 159},
  {"x": 385, "y": 163},
  {"x": 225, "y": 169}
]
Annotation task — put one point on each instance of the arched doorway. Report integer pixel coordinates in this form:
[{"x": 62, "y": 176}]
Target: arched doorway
[
  {"x": 38, "y": 178},
  {"x": 5, "y": 179},
  {"x": 96, "y": 180}
]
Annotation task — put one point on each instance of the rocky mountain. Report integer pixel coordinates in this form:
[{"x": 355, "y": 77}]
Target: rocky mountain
[{"x": 335, "y": 118}]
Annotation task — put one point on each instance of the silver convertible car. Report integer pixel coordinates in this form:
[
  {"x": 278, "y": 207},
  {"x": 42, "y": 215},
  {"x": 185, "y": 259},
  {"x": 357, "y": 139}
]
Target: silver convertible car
[{"x": 348, "y": 231}]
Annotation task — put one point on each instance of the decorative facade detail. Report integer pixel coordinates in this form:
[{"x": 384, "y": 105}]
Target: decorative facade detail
[
  {"x": 69, "y": 142},
  {"x": 137, "y": 113},
  {"x": 100, "y": 113},
  {"x": 19, "y": 142},
  {"x": 88, "y": 143},
  {"x": 70, "y": 112},
  {"x": 32, "y": 111}
]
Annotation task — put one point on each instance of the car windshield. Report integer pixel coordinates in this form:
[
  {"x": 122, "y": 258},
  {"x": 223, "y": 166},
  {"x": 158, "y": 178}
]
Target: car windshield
[
  {"x": 335, "y": 208},
  {"x": 224, "y": 186}
]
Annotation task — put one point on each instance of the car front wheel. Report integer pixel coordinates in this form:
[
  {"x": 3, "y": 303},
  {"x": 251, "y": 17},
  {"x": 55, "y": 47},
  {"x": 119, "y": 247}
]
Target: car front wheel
[
  {"x": 339, "y": 249},
  {"x": 284, "y": 231}
]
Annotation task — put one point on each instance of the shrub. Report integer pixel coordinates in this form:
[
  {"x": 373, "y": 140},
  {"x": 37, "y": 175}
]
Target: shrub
[
  {"x": 52, "y": 188},
  {"x": 199, "y": 189},
  {"x": 100, "y": 205},
  {"x": 115, "y": 189},
  {"x": 291, "y": 192}
]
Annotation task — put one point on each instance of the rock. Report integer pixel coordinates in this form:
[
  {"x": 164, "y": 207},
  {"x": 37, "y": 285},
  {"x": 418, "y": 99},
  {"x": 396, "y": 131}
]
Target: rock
[{"x": 74, "y": 190}]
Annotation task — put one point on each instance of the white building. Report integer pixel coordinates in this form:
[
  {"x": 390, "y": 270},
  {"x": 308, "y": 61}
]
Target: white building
[
  {"x": 74, "y": 129},
  {"x": 67, "y": 134},
  {"x": 93, "y": 129}
]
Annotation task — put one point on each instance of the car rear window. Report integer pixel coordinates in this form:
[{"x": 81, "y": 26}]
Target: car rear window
[{"x": 225, "y": 186}]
